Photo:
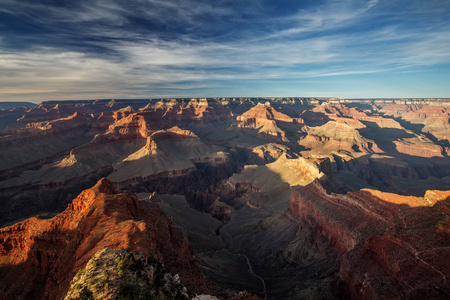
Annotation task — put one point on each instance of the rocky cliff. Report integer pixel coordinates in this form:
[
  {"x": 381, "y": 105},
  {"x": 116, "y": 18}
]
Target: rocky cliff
[
  {"x": 47, "y": 252},
  {"x": 392, "y": 246}
]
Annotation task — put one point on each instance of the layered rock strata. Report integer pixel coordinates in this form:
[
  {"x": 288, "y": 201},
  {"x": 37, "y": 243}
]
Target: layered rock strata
[{"x": 392, "y": 246}]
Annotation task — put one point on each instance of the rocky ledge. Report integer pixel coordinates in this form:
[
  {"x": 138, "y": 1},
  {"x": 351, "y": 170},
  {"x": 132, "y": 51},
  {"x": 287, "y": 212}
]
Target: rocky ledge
[{"x": 47, "y": 253}]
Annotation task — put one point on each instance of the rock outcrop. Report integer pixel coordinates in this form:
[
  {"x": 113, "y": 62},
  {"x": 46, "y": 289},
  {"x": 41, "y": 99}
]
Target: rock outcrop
[
  {"x": 336, "y": 136},
  {"x": 194, "y": 110},
  {"x": 47, "y": 253},
  {"x": 419, "y": 147},
  {"x": 264, "y": 118},
  {"x": 118, "y": 274},
  {"x": 107, "y": 118}
]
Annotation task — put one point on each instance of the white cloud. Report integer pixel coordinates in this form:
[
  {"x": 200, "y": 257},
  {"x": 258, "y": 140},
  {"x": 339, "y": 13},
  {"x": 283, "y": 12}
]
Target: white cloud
[{"x": 309, "y": 43}]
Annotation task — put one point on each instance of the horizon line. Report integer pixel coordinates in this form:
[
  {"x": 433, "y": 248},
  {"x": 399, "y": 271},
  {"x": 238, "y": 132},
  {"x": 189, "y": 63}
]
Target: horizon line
[{"x": 231, "y": 97}]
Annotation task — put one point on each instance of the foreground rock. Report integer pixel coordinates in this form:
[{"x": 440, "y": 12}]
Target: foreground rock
[
  {"x": 112, "y": 274},
  {"x": 47, "y": 253}
]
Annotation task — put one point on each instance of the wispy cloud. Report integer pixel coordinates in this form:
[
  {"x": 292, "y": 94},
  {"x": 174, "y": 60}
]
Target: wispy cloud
[
  {"x": 331, "y": 15},
  {"x": 144, "y": 48}
]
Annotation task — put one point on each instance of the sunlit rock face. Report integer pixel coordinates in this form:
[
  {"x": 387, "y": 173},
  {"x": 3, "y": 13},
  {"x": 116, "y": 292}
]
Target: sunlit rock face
[
  {"x": 284, "y": 198},
  {"x": 392, "y": 245},
  {"x": 335, "y": 136},
  {"x": 47, "y": 252},
  {"x": 264, "y": 119}
]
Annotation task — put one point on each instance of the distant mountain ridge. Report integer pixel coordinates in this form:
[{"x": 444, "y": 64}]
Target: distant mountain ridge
[{"x": 12, "y": 104}]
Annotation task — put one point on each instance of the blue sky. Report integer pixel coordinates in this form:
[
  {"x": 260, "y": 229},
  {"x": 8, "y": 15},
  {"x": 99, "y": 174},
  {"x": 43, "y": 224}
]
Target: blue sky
[{"x": 61, "y": 49}]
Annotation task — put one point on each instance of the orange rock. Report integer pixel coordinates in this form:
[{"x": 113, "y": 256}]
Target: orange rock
[
  {"x": 417, "y": 147},
  {"x": 262, "y": 112},
  {"x": 39, "y": 257},
  {"x": 264, "y": 118}
]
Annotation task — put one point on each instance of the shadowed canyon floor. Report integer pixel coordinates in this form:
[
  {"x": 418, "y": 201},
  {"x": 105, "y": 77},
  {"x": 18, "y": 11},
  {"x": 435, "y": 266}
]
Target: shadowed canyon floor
[{"x": 283, "y": 198}]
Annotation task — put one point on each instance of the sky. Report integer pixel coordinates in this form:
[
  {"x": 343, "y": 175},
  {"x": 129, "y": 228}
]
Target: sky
[{"x": 76, "y": 49}]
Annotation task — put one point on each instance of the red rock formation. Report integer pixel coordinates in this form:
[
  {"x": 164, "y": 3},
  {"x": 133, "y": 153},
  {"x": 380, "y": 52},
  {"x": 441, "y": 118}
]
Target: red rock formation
[
  {"x": 203, "y": 110},
  {"x": 264, "y": 118},
  {"x": 168, "y": 153},
  {"x": 67, "y": 123},
  {"x": 410, "y": 259},
  {"x": 51, "y": 110},
  {"x": 133, "y": 126},
  {"x": 393, "y": 246},
  {"x": 39, "y": 113},
  {"x": 417, "y": 147},
  {"x": 108, "y": 118},
  {"x": 415, "y": 111},
  {"x": 333, "y": 216},
  {"x": 191, "y": 110},
  {"x": 164, "y": 114},
  {"x": 260, "y": 113},
  {"x": 349, "y": 115},
  {"x": 39, "y": 257},
  {"x": 269, "y": 152}
]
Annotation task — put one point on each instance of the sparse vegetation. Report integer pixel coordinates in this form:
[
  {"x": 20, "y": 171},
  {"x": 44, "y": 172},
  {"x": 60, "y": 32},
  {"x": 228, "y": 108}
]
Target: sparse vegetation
[
  {"x": 131, "y": 292},
  {"x": 94, "y": 264},
  {"x": 121, "y": 274},
  {"x": 85, "y": 294},
  {"x": 79, "y": 273}
]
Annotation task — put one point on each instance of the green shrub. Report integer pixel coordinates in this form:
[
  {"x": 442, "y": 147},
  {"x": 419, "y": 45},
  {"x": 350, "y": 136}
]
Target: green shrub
[
  {"x": 128, "y": 292},
  {"x": 79, "y": 273},
  {"x": 85, "y": 294},
  {"x": 94, "y": 264},
  {"x": 121, "y": 263},
  {"x": 135, "y": 266}
]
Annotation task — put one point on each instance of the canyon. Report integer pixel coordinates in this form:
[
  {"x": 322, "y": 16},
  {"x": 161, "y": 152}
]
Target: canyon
[{"x": 238, "y": 198}]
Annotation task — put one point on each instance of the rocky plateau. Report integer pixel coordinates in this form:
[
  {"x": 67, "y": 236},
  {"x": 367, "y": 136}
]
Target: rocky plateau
[{"x": 225, "y": 198}]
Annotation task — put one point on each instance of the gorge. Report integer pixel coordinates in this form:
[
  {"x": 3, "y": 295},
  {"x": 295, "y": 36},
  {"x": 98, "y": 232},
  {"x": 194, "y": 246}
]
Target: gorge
[{"x": 238, "y": 198}]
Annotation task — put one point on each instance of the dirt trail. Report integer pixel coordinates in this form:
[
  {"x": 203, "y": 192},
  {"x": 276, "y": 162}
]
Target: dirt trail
[{"x": 259, "y": 277}]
